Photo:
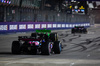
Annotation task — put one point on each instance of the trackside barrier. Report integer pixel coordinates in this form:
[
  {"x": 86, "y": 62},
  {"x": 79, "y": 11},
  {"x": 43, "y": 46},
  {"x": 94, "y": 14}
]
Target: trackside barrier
[{"x": 13, "y": 27}]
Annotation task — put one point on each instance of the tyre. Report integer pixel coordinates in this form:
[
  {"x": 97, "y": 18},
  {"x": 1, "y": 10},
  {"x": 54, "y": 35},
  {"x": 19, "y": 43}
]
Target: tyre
[
  {"x": 80, "y": 31},
  {"x": 57, "y": 47},
  {"x": 85, "y": 31},
  {"x": 16, "y": 47},
  {"x": 72, "y": 31},
  {"x": 54, "y": 37},
  {"x": 46, "y": 48}
]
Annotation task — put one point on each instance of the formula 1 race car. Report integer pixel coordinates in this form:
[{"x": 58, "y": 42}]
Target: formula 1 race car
[
  {"x": 42, "y": 41},
  {"x": 79, "y": 29}
]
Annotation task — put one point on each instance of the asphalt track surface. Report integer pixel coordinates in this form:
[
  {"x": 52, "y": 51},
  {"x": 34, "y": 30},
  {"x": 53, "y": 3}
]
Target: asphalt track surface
[{"x": 79, "y": 50}]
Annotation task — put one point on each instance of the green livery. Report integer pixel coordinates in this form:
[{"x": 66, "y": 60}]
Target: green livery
[{"x": 44, "y": 31}]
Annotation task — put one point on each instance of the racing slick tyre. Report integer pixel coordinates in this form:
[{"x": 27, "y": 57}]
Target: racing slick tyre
[
  {"x": 85, "y": 31},
  {"x": 46, "y": 48},
  {"x": 57, "y": 47},
  {"x": 54, "y": 37},
  {"x": 16, "y": 47},
  {"x": 72, "y": 31}
]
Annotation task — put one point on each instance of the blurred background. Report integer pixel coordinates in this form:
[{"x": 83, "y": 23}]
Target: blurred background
[{"x": 49, "y": 11}]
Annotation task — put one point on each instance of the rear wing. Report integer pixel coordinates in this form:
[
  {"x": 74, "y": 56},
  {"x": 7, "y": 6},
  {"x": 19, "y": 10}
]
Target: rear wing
[
  {"x": 43, "y": 31},
  {"x": 28, "y": 38}
]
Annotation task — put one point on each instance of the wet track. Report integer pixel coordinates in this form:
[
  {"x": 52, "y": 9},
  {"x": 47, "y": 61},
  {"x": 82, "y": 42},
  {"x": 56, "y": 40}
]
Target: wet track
[{"x": 78, "y": 50}]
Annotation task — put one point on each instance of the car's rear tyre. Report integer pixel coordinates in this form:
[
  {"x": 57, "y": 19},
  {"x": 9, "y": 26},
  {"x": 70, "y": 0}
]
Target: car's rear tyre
[
  {"x": 72, "y": 31},
  {"x": 54, "y": 37},
  {"x": 57, "y": 47},
  {"x": 85, "y": 31},
  {"x": 16, "y": 47},
  {"x": 46, "y": 48}
]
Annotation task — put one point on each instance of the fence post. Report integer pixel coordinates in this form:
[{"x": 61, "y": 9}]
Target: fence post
[{"x": 5, "y": 14}]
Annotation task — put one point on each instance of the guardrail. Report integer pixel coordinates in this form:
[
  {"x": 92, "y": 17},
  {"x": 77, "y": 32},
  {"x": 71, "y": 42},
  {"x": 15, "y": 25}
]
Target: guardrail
[{"x": 13, "y": 27}]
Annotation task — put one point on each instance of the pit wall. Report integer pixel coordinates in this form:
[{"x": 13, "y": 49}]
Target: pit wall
[{"x": 14, "y": 27}]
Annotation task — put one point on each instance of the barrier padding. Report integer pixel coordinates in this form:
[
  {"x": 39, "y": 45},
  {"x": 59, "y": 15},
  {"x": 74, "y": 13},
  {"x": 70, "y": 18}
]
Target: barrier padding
[{"x": 13, "y": 27}]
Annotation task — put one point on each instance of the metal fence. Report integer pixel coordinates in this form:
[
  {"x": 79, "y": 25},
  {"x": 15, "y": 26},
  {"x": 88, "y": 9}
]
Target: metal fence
[
  {"x": 16, "y": 14},
  {"x": 95, "y": 16}
]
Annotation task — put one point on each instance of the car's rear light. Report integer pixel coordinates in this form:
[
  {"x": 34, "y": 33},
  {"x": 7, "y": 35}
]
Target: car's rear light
[
  {"x": 30, "y": 42},
  {"x": 34, "y": 42}
]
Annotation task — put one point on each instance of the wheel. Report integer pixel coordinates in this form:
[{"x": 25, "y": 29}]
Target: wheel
[
  {"x": 46, "y": 48},
  {"x": 72, "y": 31},
  {"x": 34, "y": 35},
  {"x": 57, "y": 47},
  {"x": 85, "y": 31},
  {"x": 16, "y": 47},
  {"x": 54, "y": 37},
  {"x": 80, "y": 31}
]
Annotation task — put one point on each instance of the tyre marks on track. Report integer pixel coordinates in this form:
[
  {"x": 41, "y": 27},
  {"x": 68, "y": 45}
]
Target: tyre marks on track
[
  {"x": 95, "y": 44},
  {"x": 70, "y": 38},
  {"x": 73, "y": 48},
  {"x": 64, "y": 39},
  {"x": 74, "y": 38},
  {"x": 88, "y": 45}
]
